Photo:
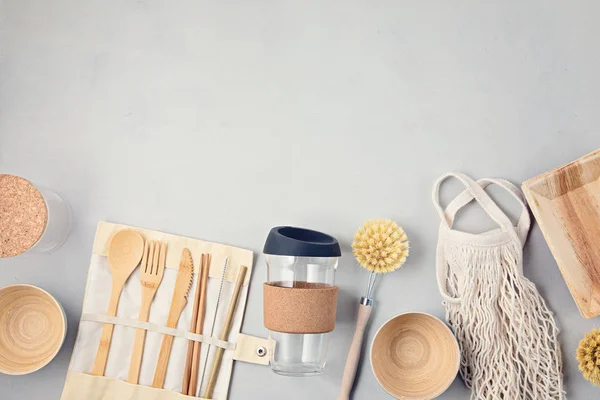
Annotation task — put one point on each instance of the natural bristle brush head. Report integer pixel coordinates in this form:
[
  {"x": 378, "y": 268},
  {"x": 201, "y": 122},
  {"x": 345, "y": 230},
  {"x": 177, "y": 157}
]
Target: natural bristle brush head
[
  {"x": 380, "y": 246},
  {"x": 588, "y": 355}
]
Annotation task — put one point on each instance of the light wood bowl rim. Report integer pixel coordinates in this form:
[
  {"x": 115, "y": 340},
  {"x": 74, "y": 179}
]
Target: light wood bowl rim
[
  {"x": 43, "y": 292},
  {"x": 441, "y": 323}
]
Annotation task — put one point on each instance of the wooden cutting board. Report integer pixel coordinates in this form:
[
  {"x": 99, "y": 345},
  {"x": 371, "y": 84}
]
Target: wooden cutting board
[{"x": 566, "y": 205}]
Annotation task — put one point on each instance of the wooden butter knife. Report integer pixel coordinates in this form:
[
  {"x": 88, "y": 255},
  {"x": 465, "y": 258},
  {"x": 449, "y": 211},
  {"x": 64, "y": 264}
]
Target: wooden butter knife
[{"x": 180, "y": 294}]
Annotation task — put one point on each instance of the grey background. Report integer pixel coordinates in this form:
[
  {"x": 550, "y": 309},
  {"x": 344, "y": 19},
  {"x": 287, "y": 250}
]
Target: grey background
[{"x": 219, "y": 120}]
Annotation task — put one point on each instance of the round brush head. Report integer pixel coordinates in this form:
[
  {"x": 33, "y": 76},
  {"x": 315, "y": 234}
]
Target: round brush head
[
  {"x": 588, "y": 355},
  {"x": 380, "y": 246}
]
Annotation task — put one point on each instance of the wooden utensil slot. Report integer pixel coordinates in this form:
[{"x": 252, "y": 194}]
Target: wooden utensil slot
[{"x": 81, "y": 383}]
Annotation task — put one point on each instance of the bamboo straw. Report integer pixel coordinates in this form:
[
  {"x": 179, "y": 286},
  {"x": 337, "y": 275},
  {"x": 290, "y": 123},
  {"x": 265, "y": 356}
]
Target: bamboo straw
[
  {"x": 188, "y": 361},
  {"x": 199, "y": 328},
  {"x": 216, "y": 365}
]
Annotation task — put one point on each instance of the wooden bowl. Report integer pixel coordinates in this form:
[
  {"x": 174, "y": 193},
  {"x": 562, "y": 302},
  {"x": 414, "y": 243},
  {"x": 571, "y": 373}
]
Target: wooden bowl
[
  {"x": 33, "y": 326},
  {"x": 415, "y": 356}
]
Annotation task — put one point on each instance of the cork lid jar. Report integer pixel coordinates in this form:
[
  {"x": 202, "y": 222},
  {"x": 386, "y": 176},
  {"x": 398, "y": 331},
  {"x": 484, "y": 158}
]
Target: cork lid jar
[
  {"x": 23, "y": 215},
  {"x": 31, "y": 218}
]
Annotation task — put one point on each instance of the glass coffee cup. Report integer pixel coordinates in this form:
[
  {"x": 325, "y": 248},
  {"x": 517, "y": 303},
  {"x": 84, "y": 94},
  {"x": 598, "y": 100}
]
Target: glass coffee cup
[{"x": 300, "y": 298}]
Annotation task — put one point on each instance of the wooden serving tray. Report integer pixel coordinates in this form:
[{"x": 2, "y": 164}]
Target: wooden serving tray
[{"x": 566, "y": 204}]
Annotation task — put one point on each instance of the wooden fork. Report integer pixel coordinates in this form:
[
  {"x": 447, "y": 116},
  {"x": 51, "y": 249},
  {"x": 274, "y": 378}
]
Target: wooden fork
[{"x": 151, "y": 273}]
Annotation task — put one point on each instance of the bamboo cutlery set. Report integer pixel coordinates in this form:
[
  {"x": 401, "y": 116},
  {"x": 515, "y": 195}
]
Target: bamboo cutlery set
[{"x": 125, "y": 251}]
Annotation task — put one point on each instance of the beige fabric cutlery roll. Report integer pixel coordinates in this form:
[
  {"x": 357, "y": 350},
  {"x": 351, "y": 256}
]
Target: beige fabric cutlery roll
[{"x": 113, "y": 385}]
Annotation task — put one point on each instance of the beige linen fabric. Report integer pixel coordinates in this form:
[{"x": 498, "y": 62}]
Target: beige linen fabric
[{"x": 79, "y": 384}]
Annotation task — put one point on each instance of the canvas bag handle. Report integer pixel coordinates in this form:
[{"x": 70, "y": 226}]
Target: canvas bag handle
[
  {"x": 466, "y": 197},
  {"x": 475, "y": 191}
]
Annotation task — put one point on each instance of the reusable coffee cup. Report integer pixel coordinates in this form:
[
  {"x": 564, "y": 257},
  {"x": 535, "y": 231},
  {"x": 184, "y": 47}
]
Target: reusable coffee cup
[{"x": 300, "y": 298}]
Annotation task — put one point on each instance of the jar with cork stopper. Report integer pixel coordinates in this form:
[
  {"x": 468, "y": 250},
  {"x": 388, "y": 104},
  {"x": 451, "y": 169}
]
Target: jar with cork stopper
[{"x": 32, "y": 218}]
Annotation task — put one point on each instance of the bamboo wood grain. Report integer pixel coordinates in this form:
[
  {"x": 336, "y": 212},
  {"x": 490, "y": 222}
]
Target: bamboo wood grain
[
  {"x": 415, "y": 356},
  {"x": 163, "y": 362},
  {"x": 152, "y": 271},
  {"x": 185, "y": 385},
  {"x": 32, "y": 328},
  {"x": 180, "y": 293},
  {"x": 124, "y": 254},
  {"x": 364, "y": 312},
  {"x": 566, "y": 205},
  {"x": 224, "y": 335},
  {"x": 199, "y": 328}
]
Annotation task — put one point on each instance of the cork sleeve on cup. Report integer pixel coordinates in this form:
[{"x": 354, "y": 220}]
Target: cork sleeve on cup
[{"x": 304, "y": 308}]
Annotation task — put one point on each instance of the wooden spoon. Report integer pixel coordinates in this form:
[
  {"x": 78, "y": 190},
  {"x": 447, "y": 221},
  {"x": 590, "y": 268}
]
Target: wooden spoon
[{"x": 124, "y": 254}]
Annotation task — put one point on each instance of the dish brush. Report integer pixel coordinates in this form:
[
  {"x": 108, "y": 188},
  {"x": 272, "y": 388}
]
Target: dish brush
[
  {"x": 588, "y": 355},
  {"x": 379, "y": 246}
]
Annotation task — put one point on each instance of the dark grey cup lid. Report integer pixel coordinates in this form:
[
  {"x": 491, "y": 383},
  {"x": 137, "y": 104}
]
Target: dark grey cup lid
[{"x": 300, "y": 242}]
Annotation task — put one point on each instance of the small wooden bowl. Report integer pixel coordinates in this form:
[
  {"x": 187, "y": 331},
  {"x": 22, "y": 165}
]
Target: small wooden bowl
[
  {"x": 33, "y": 326},
  {"x": 415, "y": 356}
]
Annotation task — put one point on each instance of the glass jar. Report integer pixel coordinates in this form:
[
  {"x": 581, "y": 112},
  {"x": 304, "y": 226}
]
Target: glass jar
[
  {"x": 58, "y": 225},
  {"x": 31, "y": 218},
  {"x": 300, "y": 298}
]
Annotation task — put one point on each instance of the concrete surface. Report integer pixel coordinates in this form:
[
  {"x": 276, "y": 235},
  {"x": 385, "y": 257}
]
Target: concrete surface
[{"x": 219, "y": 120}]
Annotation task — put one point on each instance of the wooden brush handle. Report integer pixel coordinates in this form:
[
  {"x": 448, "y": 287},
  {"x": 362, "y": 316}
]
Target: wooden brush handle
[
  {"x": 354, "y": 353},
  {"x": 214, "y": 373},
  {"x": 163, "y": 362}
]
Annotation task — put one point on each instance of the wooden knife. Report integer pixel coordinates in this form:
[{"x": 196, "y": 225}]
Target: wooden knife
[{"x": 180, "y": 294}]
